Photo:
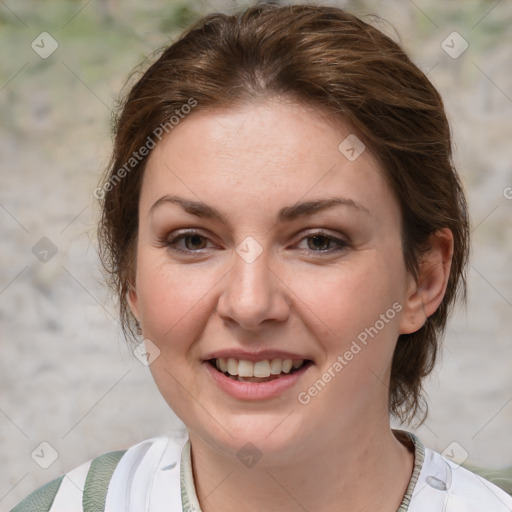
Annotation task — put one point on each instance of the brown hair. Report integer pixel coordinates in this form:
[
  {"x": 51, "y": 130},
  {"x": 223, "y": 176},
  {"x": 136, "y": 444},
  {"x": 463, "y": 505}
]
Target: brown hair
[{"x": 327, "y": 58}]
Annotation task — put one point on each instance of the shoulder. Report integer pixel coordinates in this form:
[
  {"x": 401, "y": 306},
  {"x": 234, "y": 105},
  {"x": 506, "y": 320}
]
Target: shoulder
[
  {"x": 106, "y": 479},
  {"x": 444, "y": 485},
  {"x": 41, "y": 499}
]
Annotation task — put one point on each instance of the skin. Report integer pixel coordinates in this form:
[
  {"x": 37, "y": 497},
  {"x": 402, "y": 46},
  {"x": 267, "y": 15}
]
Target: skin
[{"x": 337, "y": 452}]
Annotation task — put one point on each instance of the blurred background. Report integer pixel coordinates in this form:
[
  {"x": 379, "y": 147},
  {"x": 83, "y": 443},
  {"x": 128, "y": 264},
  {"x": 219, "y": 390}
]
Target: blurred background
[{"x": 67, "y": 377}]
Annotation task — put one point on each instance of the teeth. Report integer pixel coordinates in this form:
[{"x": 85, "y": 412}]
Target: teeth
[
  {"x": 261, "y": 369},
  {"x": 245, "y": 368},
  {"x": 232, "y": 366},
  {"x": 287, "y": 365},
  {"x": 276, "y": 366},
  {"x": 222, "y": 364}
]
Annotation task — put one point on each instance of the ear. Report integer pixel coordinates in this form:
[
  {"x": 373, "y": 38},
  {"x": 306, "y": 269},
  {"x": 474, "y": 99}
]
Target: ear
[
  {"x": 425, "y": 294},
  {"x": 133, "y": 301}
]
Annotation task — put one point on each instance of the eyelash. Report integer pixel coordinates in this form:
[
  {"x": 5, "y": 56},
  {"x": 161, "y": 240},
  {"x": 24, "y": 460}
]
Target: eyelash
[{"x": 170, "y": 243}]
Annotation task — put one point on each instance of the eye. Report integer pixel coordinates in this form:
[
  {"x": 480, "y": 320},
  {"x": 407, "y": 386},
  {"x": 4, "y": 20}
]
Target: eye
[
  {"x": 322, "y": 243},
  {"x": 192, "y": 242}
]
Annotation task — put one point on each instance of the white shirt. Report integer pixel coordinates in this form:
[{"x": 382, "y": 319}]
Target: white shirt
[{"x": 156, "y": 476}]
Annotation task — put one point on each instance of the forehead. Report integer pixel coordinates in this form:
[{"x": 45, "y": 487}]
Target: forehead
[{"x": 269, "y": 154}]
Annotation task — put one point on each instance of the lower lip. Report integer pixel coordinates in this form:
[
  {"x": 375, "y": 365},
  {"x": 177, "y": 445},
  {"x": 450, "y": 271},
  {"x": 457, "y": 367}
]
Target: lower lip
[{"x": 255, "y": 390}]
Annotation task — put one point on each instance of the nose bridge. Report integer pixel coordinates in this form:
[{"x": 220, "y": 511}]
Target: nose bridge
[{"x": 252, "y": 294}]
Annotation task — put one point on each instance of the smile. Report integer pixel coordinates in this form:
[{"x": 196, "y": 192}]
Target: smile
[{"x": 256, "y": 371}]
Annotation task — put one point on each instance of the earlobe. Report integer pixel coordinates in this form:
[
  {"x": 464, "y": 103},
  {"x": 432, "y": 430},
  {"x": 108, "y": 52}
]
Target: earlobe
[{"x": 425, "y": 294}]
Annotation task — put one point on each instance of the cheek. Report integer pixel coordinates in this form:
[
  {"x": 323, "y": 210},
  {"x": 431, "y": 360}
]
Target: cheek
[
  {"x": 343, "y": 301},
  {"x": 354, "y": 314},
  {"x": 171, "y": 298}
]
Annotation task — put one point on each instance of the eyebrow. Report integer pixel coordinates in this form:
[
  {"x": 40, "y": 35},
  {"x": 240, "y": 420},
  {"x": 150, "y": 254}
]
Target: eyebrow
[{"x": 286, "y": 214}]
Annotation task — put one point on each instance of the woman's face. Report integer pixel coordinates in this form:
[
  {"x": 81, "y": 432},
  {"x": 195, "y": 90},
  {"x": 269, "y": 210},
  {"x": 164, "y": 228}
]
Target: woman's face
[{"x": 263, "y": 241}]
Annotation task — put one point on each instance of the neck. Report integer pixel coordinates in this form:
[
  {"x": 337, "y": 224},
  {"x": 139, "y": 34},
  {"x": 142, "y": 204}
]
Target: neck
[{"x": 361, "y": 470}]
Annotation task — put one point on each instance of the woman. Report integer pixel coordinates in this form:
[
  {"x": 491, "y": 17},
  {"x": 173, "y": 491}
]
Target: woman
[{"x": 286, "y": 232}]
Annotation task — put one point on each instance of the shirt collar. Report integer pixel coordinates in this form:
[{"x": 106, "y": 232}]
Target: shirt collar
[{"x": 191, "y": 503}]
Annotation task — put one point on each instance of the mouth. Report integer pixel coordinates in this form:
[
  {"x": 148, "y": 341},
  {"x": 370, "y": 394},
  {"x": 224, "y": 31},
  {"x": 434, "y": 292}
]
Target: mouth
[{"x": 266, "y": 370}]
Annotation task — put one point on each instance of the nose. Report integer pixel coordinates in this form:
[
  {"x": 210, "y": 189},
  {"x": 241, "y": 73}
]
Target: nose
[{"x": 253, "y": 294}]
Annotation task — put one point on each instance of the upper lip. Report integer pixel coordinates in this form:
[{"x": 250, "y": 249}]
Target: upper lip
[{"x": 255, "y": 356}]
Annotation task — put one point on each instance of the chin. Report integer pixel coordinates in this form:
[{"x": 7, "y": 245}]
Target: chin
[{"x": 266, "y": 436}]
